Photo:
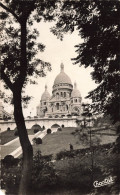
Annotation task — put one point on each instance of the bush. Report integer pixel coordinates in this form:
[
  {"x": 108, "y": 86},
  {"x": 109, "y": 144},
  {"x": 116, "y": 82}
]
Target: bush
[
  {"x": 73, "y": 133},
  {"x": 37, "y": 140},
  {"x": 11, "y": 174},
  {"x": 16, "y": 133},
  {"x": 64, "y": 154},
  {"x": 36, "y": 130},
  {"x": 8, "y": 160},
  {"x": 78, "y": 129},
  {"x": 48, "y": 131},
  {"x": 59, "y": 129},
  {"x": 43, "y": 173},
  {"x": 8, "y": 129}
]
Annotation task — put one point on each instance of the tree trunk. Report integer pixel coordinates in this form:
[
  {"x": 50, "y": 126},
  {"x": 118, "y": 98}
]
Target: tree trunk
[{"x": 25, "y": 143}]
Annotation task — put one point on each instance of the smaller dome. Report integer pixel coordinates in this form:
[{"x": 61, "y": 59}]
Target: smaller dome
[
  {"x": 75, "y": 93},
  {"x": 45, "y": 96}
]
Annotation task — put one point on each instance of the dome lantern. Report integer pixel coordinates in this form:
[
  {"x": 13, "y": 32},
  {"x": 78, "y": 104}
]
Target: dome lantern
[
  {"x": 62, "y": 67},
  {"x": 75, "y": 85},
  {"x": 45, "y": 87}
]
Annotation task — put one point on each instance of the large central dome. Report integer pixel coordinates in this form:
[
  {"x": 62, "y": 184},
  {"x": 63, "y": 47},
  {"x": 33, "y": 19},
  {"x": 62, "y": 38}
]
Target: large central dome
[{"x": 62, "y": 77}]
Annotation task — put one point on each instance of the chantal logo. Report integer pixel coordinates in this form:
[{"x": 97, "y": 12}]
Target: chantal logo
[{"x": 106, "y": 181}]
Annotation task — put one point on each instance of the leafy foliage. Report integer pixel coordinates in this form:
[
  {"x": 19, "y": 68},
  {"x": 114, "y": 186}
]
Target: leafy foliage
[
  {"x": 43, "y": 172},
  {"x": 37, "y": 140},
  {"x": 98, "y": 25},
  {"x": 12, "y": 15},
  {"x": 19, "y": 63}
]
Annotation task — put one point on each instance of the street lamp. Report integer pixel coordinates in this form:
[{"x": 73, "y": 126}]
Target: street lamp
[{"x": 87, "y": 113}]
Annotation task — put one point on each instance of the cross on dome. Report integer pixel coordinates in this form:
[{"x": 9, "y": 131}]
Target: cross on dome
[
  {"x": 45, "y": 87},
  {"x": 75, "y": 85},
  {"x": 62, "y": 67}
]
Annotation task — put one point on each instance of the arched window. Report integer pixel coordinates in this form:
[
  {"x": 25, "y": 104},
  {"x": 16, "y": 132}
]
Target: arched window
[
  {"x": 57, "y": 105},
  {"x": 75, "y": 100},
  {"x": 57, "y": 95},
  {"x": 61, "y": 94},
  {"x": 64, "y": 94}
]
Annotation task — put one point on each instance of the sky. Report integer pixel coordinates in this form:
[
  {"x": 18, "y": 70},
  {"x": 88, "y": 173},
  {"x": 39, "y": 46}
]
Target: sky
[{"x": 57, "y": 52}]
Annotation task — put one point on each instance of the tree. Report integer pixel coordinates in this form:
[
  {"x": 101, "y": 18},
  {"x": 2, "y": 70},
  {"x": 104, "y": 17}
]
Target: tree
[
  {"x": 87, "y": 139},
  {"x": 98, "y": 25},
  {"x": 19, "y": 64}
]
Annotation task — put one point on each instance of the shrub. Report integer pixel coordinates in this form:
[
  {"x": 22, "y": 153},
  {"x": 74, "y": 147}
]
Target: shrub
[
  {"x": 8, "y": 160},
  {"x": 16, "y": 133},
  {"x": 37, "y": 140},
  {"x": 8, "y": 129},
  {"x": 43, "y": 173},
  {"x": 10, "y": 174},
  {"x": 73, "y": 133},
  {"x": 64, "y": 154},
  {"x": 78, "y": 129},
  {"x": 48, "y": 131},
  {"x": 59, "y": 129},
  {"x": 36, "y": 130}
]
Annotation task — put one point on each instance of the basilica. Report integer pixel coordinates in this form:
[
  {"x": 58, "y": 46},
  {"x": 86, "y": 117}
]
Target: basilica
[{"x": 65, "y": 100}]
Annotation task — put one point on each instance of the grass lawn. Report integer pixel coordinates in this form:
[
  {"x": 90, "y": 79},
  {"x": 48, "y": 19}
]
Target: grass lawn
[
  {"x": 59, "y": 141},
  {"x": 75, "y": 172},
  {"x": 7, "y": 136}
]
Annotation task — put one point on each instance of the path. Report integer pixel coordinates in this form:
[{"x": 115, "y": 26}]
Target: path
[{"x": 13, "y": 147}]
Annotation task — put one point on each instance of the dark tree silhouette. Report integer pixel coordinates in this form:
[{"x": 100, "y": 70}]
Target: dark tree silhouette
[
  {"x": 98, "y": 24},
  {"x": 19, "y": 64}
]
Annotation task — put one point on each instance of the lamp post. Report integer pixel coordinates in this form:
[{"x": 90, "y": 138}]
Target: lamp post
[
  {"x": 87, "y": 113},
  {"x": 91, "y": 149}
]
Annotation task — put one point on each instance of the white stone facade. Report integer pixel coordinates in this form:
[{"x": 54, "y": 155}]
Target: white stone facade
[{"x": 65, "y": 101}]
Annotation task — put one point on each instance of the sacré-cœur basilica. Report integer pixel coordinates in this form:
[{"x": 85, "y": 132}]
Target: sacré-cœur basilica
[{"x": 65, "y": 100}]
